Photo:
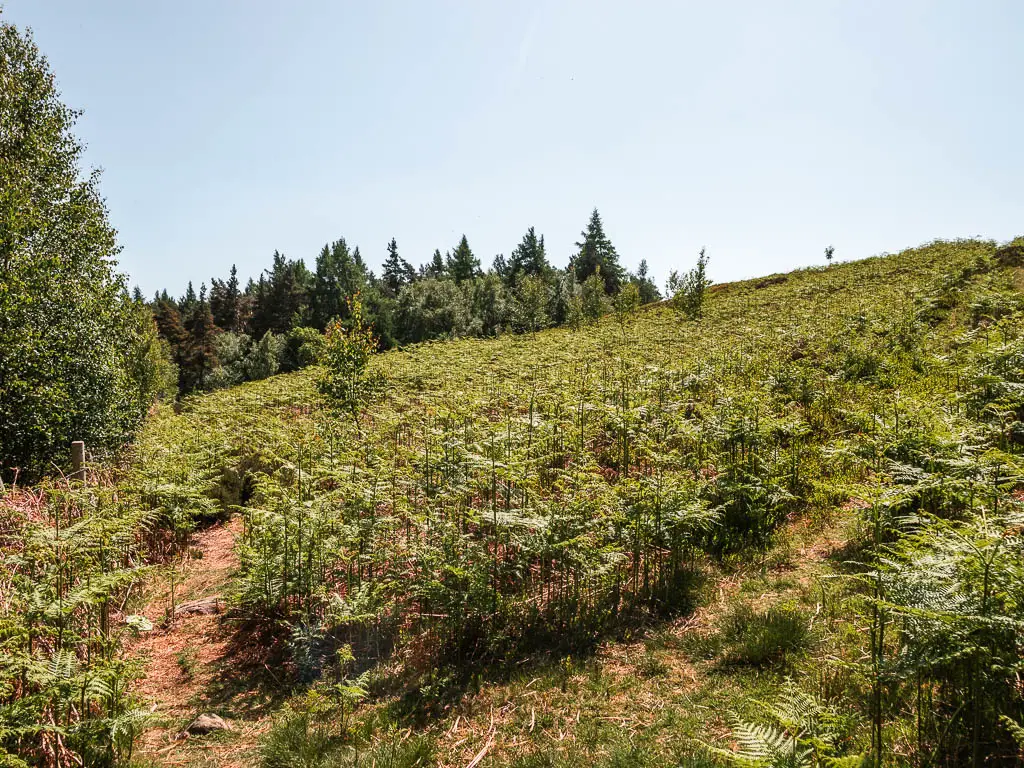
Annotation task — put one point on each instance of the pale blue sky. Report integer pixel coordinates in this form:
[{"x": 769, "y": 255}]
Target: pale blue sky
[{"x": 763, "y": 131}]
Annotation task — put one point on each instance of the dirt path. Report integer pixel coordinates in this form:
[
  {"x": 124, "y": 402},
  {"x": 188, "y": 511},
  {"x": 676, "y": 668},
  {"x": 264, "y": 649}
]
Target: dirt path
[{"x": 191, "y": 663}]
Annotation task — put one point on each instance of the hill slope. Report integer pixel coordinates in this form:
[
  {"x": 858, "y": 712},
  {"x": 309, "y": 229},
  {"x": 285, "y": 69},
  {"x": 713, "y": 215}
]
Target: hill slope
[{"x": 589, "y": 547}]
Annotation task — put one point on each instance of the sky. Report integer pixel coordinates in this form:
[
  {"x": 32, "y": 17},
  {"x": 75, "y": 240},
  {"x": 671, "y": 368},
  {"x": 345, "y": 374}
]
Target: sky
[{"x": 760, "y": 131}]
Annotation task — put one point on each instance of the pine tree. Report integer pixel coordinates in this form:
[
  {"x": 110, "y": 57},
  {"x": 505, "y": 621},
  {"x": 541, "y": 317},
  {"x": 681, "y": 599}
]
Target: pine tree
[
  {"x": 528, "y": 258},
  {"x": 171, "y": 327},
  {"x": 596, "y": 252},
  {"x": 648, "y": 290},
  {"x": 282, "y": 297},
  {"x": 189, "y": 300},
  {"x": 225, "y": 302},
  {"x": 397, "y": 271},
  {"x": 436, "y": 267},
  {"x": 463, "y": 265},
  {"x": 200, "y": 355}
]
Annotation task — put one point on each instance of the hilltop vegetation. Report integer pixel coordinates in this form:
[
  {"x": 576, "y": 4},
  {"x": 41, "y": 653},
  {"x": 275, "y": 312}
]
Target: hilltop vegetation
[{"x": 818, "y": 479}]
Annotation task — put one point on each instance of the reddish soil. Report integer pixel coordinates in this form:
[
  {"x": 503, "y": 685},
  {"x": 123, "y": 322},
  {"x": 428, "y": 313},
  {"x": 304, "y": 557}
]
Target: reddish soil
[{"x": 188, "y": 661}]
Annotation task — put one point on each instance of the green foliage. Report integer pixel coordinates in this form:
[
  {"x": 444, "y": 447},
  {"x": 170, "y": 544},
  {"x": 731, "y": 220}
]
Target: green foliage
[
  {"x": 626, "y": 303},
  {"x": 531, "y": 303},
  {"x": 758, "y": 638},
  {"x": 303, "y": 347},
  {"x": 345, "y": 379},
  {"x": 687, "y": 293},
  {"x": 801, "y": 732},
  {"x": 77, "y": 355},
  {"x": 593, "y": 303},
  {"x": 597, "y": 255},
  {"x": 462, "y": 265}
]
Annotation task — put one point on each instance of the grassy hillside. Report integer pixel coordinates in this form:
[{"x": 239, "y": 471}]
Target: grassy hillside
[{"x": 633, "y": 544}]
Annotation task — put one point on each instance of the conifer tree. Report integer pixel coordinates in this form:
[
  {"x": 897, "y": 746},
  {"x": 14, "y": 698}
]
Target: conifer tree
[
  {"x": 463, "y": 265},
  {"x": 528, "y": 258},
  {"x": 596, "y": 252},
  {"x": 648, "y": 290},
  {"x": 225, "y": 302},
  {"x": 339, "y": 274},
  {"x": 189, "y": 300},
  {"x": 397, "y": 271},
  {"x": 436, "y": 268},
  {"x": 201, "y": 355}
]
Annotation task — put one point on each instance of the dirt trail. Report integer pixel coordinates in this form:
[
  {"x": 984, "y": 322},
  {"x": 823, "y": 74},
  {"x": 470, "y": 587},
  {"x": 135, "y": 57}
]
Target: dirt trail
[{"x": 188, "y": 661}]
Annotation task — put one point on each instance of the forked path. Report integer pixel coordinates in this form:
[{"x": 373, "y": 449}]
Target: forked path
[{"x": 188, "y": 661}]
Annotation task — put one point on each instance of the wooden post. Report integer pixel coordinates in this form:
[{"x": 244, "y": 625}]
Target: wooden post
[{"x": 78, "y": 460}]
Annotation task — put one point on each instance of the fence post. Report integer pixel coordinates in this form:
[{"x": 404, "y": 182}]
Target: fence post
[{"x": 78, "y": 460}]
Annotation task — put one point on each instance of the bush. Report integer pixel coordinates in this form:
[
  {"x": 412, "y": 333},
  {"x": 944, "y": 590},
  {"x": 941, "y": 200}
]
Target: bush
[
  {"x": 264, "y": 358},
  {"x": 303, "y": 347}
]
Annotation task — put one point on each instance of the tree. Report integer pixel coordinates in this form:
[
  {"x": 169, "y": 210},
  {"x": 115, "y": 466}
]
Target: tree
[
  {"x": 200, "y": 353},
  {"x": 689, "y": 291},
  {"x": 70, "y": 336},
  {"x": 463, "y": 265},
  {"x": 531, "y": 303},
  {"x": 225, "y": 302},
  {"x": 436, "y": 268},
  {"x": 397, "y": 271},
  {"x": 281, "y": 300},
  {"x": 347, "y": 350},
  {"x": 430, "y": 308},
  {"x": 596, "y": 252},
  {"x": 339, "y": 274},
  {"x": 189, "y": 300},
  {"x": 626, "y": 303},
  {"x": 829, "y": 252},
  {"x": 594, "y": 302},
  {"x": 528, "y": 258},
  {"x": 171, "y": 328},
  {"x": 648, "y": 290}
]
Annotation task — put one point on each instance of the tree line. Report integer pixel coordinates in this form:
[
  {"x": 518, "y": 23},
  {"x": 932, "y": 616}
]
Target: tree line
[{"x": 227, "y": 333}]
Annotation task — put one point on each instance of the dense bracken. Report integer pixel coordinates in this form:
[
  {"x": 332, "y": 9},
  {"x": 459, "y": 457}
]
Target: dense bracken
[{"x": 524, "y": 498}]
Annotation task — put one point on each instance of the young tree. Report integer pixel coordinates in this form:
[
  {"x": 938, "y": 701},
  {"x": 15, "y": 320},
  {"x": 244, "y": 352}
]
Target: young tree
[
  {"x": 347, "y": 351},
  {"x": 689, "y": 291},
  {"x": 596, "y": 253},
  {"x": 625, "y": 303},
  {"x": 594, "y": 301},
  {"x": 69, "y": 332},
  {"x": 463, "y": 265},
  {"x": 829, "y": 252}
]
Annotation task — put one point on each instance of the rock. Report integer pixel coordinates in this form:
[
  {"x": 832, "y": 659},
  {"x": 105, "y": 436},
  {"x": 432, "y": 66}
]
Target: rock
[
  {"x": 205, "y": 607},
  {"x": 207, "y": 723}
]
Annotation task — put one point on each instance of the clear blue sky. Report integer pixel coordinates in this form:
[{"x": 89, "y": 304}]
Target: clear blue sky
[{"x": 763, "y": 131}]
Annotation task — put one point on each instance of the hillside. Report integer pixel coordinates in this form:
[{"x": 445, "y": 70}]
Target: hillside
[{"x": 600, "y": 547}]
